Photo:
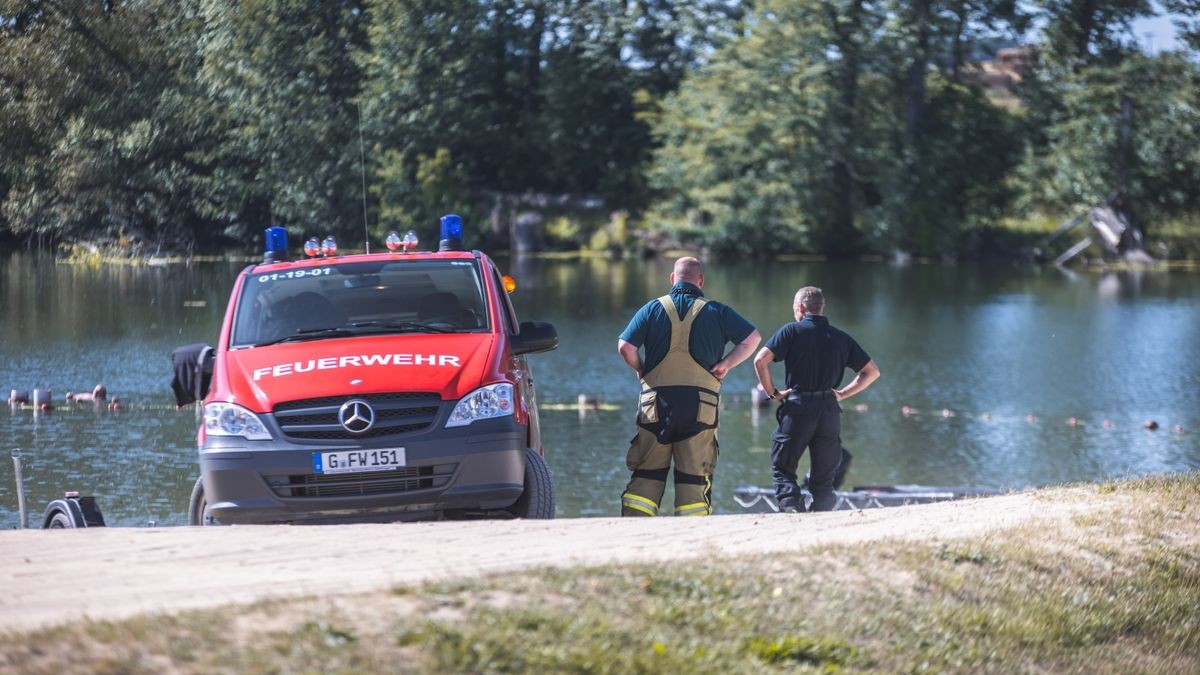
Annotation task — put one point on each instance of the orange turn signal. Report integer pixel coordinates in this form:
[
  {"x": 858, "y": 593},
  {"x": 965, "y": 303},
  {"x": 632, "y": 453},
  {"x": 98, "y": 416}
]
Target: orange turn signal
[{"x": 510, "y": 284}]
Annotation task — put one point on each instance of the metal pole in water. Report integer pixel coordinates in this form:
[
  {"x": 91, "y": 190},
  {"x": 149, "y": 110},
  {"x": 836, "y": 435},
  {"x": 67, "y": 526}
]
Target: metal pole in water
[{"x": 16, "y": 457}]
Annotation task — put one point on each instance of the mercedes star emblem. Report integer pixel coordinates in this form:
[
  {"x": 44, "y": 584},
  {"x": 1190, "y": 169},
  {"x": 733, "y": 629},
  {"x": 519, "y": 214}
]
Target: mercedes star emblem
[{"x": 357, "y": 416}]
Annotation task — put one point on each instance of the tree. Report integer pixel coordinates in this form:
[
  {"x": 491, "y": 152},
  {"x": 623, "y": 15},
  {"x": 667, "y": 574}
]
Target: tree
[
  {"x": 954, "y": 148},
  {"x": 100, "y": 132},
  {"x": 761, "y": 149},
  {"x": 1079, "y": 33},
  {"x": 1106, "y": 119},
  {"x": 1186, "y": 15},
  {"x": 284, "y": 74},
  {"x": 825, "y": 129},
  {"x": 540, "y": 96},
  {"x": 1132, "y": 129}
]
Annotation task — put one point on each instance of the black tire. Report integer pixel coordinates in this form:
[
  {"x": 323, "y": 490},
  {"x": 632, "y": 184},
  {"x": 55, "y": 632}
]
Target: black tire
[
  {"x": 197, "y": 505},
  {"x": 60, "y": 521},
  {"x": 537, "y": 501}
]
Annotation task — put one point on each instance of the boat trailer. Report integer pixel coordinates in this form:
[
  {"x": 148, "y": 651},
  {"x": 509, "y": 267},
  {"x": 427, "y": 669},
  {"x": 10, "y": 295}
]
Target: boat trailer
[
  {"x": 762, "y": 499},
  {"x": 70, "y": 512}
]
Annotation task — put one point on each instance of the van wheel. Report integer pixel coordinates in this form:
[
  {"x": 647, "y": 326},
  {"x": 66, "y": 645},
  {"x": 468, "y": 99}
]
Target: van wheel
[
  {"x": 537, "y": 501},
  {"x": 60, "y": 521},
  {"x": 197, "y": 505}
]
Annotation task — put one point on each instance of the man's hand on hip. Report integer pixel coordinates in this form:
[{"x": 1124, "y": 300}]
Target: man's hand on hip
[{"x": 719, "y": 370}]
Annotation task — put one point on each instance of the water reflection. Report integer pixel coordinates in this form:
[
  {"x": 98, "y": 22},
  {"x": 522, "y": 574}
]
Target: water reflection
[{"x": 990, "y": 345}]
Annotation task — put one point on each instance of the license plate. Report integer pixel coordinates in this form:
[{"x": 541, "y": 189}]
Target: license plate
[{"x": 350, "y": 461}]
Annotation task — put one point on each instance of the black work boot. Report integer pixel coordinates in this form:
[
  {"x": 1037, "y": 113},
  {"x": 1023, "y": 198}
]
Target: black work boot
[{"x": 791, "y": 507}]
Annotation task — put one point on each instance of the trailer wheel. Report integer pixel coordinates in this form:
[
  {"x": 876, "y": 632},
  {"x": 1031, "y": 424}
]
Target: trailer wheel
[
  {"x": 60, "y": 521},
  {"x": 537, "y": 501},
  {"x": 197, "y": 505}
]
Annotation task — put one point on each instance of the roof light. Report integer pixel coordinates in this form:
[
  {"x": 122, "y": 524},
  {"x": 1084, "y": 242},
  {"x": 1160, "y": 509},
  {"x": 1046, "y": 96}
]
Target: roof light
[
  {"x": 406, "y": 244},
  {"x": 329, "y": 246},
  {"x": 276, "y": 245},
  {"x": 451, "y": 233},
  {"x": 510, "y": 284},
  {"x": 312, "y": 247}
]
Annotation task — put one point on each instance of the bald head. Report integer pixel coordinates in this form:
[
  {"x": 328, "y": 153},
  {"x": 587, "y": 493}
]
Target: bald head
[{"x": 688, "y": 269}]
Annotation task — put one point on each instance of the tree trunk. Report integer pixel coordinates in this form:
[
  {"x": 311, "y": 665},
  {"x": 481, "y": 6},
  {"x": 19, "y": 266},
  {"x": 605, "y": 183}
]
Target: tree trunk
[
  {"x": 842, "y": 237},
  {"x": 1131, "y": 246},
  {"x": 533, "y": 66},
  {"x": 956, "y": 47},
  {"x": 914, "y": 106},
  {"x": 1085, "y": 20}
]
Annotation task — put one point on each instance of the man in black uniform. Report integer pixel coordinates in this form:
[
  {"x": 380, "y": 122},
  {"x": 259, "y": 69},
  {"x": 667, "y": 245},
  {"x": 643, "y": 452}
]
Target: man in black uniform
[{"x": 815, "y": 355}]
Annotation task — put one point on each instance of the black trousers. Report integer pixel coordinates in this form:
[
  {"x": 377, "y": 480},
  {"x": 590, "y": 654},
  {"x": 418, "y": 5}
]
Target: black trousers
[{"x": 807, "y": 422}]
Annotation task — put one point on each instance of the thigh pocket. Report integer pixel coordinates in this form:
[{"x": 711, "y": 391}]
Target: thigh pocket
[
  {"x": 706, "y": 411},
  {"x": 648, "y": 407},
  {"x": 639, "y": 447}
]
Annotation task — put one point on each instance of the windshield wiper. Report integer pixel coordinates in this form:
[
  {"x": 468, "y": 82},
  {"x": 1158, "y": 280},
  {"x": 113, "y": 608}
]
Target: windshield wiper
[
  {"x": 403, "y": 326},
  {"x": 304, "y": 334}
]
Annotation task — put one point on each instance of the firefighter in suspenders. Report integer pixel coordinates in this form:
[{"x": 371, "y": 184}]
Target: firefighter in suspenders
[{"x": 684, "y": 336}]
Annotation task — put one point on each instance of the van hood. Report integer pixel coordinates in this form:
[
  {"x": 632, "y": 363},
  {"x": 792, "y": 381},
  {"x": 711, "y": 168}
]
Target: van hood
[{"x": 450, "y": 365}]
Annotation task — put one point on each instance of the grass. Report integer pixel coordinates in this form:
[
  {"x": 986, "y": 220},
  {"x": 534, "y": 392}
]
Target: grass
[{"x": 1115, "y": 590}]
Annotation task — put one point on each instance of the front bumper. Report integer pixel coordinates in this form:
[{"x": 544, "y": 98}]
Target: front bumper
[{"x": 477, "y": 467}]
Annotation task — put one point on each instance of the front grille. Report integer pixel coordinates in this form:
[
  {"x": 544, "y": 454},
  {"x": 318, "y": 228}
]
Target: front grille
[
  {"x": 365, "y": 483},
  {"x": 395, "y": 415}
]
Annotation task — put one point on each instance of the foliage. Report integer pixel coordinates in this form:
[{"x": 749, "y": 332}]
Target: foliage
[
  {"x": 530, "y": 96},
  {"x": 1110, "y": 122},
  {"x": 737, "y": 152},
  {"x": 437, "y": 187},
  {"x": 283, "y": 75},
  {"x": 1186, "y": 14},
  {"x": 806, "y": 134},
  {"x": 829, "y": 126},
  {"x": 102, "y": 126}
]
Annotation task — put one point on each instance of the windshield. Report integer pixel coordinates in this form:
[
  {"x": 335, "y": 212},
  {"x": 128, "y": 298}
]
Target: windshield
[{"x": 359, "y": 299}]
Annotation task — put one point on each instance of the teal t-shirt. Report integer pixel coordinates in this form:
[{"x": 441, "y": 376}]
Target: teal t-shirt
[{"x": 715, "y": 326}]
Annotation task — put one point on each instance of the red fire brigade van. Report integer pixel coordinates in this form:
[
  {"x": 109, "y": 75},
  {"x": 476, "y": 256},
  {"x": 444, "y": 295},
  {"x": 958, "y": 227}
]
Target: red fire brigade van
[{"x": 374, "y": 387}]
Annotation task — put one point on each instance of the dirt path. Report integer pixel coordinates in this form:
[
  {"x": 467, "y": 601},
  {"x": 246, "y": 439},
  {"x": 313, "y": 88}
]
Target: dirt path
[{"x": 50, "y": 577}]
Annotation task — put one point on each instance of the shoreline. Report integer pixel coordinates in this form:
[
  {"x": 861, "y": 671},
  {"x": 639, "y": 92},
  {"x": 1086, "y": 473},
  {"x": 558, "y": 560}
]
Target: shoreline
[{"x": 1011, "y": 258}]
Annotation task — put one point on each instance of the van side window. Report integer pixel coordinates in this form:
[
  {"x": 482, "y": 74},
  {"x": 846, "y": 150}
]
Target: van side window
[{"x": 510, "y": 315}]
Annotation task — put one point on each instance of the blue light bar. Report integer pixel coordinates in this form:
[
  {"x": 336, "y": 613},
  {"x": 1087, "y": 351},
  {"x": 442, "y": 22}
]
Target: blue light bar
[
  {"x": 276, "y": 245},
  {"x": 451, "y": 233}
]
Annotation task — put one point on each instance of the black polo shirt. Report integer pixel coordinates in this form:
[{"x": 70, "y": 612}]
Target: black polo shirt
[{"x": 815, "y": 354}]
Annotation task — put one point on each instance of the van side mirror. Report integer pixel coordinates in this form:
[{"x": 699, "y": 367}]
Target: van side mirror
[{"x": 535, "y": 336}]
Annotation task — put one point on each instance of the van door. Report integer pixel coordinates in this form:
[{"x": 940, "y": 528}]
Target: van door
[{"x": 521, "y": 368}]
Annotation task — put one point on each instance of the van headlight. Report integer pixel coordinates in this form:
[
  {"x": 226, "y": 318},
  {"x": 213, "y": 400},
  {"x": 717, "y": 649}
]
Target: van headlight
[
  {"x": 229, "y": 419},
  {"x": 494, "y": 400}
]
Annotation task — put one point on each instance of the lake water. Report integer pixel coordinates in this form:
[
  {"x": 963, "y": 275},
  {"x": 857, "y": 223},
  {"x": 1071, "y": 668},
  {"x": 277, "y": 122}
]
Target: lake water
[{"x": 991, "y": 363}]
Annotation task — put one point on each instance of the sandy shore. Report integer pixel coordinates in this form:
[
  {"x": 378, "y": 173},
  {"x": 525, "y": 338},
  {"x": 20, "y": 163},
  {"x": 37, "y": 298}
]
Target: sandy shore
[{"x": 50, "y": 577}]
